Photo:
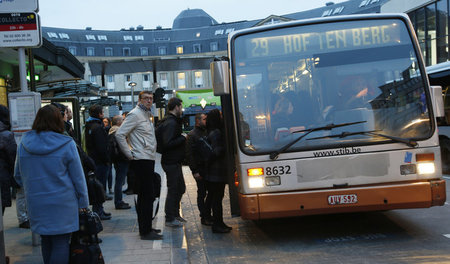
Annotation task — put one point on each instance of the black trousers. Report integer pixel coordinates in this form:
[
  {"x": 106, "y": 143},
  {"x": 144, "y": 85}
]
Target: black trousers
[
  {"x": 203, "y": 199},
  {"x": 175, "y": 190},
  {"x": 144, "y": 172},
  {"x": 216, "y": 191}
]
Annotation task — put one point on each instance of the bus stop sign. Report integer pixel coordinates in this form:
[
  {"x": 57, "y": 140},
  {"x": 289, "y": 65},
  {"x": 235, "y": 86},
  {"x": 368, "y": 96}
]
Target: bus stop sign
[{"x": 20, "y": 30}]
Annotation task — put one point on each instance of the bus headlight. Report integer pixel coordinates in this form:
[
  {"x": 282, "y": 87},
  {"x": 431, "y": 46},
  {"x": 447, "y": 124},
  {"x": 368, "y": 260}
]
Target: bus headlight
[
  {"x": 425, "y": 163},
  {"x": 426, "y": 168},
  {"x": 256, "y": 182}
]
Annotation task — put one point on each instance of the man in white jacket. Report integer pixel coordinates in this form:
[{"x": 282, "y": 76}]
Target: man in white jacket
[{"x": 138, "y": 129}]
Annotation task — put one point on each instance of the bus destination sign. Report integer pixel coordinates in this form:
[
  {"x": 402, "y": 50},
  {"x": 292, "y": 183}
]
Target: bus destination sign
[{"x": 325, "y": 41}]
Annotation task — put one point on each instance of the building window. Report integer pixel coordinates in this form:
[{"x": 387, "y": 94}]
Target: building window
[
  {"x": 139, "y": 37},
  {"x": 163, "y": 82},
  {"x": 179, "y": 49},
  {"x": 162, "y": 50},
  {"x": 146, "y": 81},
  {"x": 218, "y": 32},
  {"x": 108, "y": 52},
  {"x": 52, "y": 35},
  {"x": 102, "y": 37},
  {"x": 128, "y": 38},
  {"x": 73, "y": 50},
  {"x": 92, "y": 79},
  {"x": 214, "y": 46},
  {"x": 110, "y": 78},
  {"x": 90, "y": 51},
  {"x": 63, "y": 36},
  {"x": 198, "y": 79},
  {"x": 90, "y": 37},
  {"x": 229, "y": 30},
  {"x": 144, "y": 51},
  {"x": 338, "y": 10},
  {"x": 197, "y": 48},
  {"x": 181, "y": 76},
  {"x": 126, "y": 52},
  {"x": 127, "y": 77}
]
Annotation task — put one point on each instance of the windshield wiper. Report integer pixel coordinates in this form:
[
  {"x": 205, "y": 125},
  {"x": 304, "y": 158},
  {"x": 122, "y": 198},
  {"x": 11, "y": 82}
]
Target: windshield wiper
[
  {"x": 409, "y": 142},
  {"x": 274, "y": 155}
]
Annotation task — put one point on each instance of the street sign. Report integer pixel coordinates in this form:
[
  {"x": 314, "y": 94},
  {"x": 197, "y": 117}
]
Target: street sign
[
  {"x": 20, "y": 30},
  {"x": 19, "y": 6}
]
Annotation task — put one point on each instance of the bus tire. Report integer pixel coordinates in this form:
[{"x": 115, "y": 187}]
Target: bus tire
[{"x": 445, "y": 155}]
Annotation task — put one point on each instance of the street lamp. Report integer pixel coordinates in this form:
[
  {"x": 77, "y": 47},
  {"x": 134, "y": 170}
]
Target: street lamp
[{"x": 132, "y": 85}]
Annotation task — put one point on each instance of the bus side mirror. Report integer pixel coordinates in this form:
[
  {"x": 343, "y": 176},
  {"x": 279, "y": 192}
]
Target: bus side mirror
[
  {"x": 220, "y": 77},
  {"x": 438, "y": 101}
]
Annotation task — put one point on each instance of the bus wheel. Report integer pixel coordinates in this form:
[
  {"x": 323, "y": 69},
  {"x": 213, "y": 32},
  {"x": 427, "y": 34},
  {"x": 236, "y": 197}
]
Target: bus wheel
[{"x": 445, "y": 155}]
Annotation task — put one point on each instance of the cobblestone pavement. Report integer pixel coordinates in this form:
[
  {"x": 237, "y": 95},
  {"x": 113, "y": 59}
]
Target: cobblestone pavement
[{"x": 121, "y": 242}]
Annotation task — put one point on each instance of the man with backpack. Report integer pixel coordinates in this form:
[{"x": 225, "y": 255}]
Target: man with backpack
[
  {"x": 140, "y": 149},
  {"x": 120, "y": 162},
  {"x": 171, "y": 144}
]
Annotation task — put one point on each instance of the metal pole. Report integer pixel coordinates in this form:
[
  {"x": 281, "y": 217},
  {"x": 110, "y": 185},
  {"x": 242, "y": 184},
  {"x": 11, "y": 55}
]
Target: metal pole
[
  {"x": 132, "y": 96},
  {"x": 23, "y": 70}
]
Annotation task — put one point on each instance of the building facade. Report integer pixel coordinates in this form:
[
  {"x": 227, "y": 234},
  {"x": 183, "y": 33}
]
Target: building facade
[{"x": 178, "y": 58}]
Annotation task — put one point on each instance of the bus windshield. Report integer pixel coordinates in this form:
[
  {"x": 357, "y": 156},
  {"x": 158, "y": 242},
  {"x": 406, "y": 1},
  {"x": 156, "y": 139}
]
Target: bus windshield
[{"x": 299, "y": 77}]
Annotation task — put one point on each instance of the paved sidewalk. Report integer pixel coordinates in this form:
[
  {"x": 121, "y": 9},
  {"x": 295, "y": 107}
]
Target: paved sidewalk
[{"x": 120, "y": 235}]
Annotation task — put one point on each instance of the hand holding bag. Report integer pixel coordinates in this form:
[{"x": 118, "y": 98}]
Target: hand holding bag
[{"x": 90, "y": 223}]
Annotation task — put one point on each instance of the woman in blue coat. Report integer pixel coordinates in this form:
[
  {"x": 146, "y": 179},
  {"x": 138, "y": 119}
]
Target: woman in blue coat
[{"x": 49, "y": 169}]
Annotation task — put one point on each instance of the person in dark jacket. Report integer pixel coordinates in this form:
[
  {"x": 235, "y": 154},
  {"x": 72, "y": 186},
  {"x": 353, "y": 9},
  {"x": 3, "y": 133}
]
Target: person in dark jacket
[
  {"x": 121, "y": 163},
  {"x": 173, "y": 151},
  {"x": 97, "y": 148},
  {"x": 7, "y": 157},
  {"x": 216, "y": 171},
  {"x": 198, "y": 168}
]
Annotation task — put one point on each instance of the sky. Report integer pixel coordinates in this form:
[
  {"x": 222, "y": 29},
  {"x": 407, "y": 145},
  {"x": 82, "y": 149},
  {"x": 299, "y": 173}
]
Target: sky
[{"x": 117, "y": 14}]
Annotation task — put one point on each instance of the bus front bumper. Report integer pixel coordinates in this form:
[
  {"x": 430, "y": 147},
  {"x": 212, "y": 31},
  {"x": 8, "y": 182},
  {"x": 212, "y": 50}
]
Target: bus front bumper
[{"x": 357, "y": 199}]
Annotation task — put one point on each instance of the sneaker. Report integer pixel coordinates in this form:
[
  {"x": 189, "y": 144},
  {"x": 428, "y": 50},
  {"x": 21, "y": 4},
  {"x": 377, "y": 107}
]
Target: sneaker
[
  {"x": 104, "y": 217},
  {"x": 108, "y": 197},
  {"x": 181, "y": 219},
  {"x": 106, "y": 213},
  {"x": 156, "y": 230},
  {"x": 220, "y": 229},
  {"x": 207, "y": 222},
  {"x": 25, "y": 225},
  {"x": 122, "y": 205},
  {"x": 174, "y": 223},
  {"x": 151, "y": 236}
]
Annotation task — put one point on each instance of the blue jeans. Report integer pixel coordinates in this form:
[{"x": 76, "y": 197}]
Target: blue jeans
[
  {"x": 55, "y": 248},
  {"x": 121, "y": 168},
  {"x": 101, "y": 173}
]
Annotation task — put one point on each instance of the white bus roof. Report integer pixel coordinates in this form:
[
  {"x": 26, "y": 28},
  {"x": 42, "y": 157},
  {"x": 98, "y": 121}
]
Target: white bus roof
[{"x": 443, "y": 66}]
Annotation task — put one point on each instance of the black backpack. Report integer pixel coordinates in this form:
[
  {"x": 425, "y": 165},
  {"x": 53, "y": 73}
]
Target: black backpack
[
  {"x": 159, "y": 131},
  {"x": 114, "y": 150}
]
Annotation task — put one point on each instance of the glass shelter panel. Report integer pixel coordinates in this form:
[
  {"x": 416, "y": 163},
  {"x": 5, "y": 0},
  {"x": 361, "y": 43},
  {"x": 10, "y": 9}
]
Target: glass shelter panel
[{"x": 292, "y": 79}]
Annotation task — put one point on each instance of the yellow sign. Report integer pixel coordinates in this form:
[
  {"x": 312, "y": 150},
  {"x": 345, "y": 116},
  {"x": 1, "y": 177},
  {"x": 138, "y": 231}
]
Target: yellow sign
[{"x": 3, "y": 95}]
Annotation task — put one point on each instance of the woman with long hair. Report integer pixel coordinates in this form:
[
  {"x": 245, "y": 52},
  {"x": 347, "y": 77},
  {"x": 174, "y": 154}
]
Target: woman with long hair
[
  {"x": 49, "y": 169},
  {"x": 215, "y": 175}
]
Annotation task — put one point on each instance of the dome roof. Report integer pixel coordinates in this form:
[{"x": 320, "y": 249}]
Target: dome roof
[{"x": 193, "y": 18}]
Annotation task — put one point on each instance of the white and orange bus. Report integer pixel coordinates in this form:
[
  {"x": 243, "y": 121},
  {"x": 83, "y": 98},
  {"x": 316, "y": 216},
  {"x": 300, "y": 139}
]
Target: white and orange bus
[{"x": 329, "y": 115}]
